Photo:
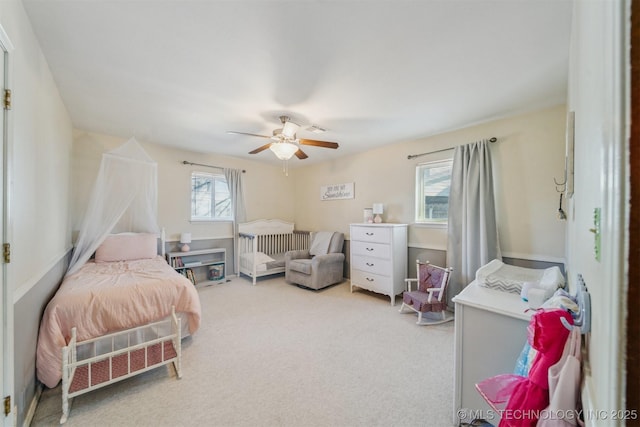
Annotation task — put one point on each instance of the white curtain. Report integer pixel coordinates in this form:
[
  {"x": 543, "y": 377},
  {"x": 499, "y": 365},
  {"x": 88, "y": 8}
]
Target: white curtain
[
  {"x": 124, "y": 198},
  {"x": 236, "y": 189},
  {"x": 472, "y": 231}
]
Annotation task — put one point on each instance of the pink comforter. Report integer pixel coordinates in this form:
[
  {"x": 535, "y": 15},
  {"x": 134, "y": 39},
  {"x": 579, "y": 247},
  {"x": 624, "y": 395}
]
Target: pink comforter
[{"x": 106, "y": 297}]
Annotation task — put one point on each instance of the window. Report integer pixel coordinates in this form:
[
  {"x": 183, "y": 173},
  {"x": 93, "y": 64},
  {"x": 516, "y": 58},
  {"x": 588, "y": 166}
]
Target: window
[
  {"x": 433, "y": 181},
  {"x": 210, "y": 198}
]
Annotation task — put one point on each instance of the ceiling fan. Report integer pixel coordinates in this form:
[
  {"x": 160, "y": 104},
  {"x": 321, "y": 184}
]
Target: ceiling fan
[{"x": 285, "y": 143}]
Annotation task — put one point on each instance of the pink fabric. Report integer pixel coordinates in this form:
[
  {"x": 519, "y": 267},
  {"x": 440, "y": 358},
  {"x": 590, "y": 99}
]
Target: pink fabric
[
  {"x": 106, "y": 297},
  {"x": 497, "y": 390},
  {"x": 120, "y": 365},
  {"x": 127, "y": 246},
  {"x": 420, "y": 301},
  {"x": 548, "y": 336},
  {"x": 564, "y": 386},
  {"x": 428, "y": 277}
]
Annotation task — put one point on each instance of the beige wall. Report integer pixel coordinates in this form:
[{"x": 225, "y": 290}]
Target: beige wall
[
  {"x": 41, "y": 135},
  {"x": 528, "y": 155},
  {"x": 268, "y": 190}
]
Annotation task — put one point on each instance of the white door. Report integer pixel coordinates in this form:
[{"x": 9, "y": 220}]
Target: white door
[{"x": 6, "y": 296}]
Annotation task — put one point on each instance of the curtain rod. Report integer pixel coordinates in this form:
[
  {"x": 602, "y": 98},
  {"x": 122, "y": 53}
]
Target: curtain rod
[
  {"x": 184, "y": 162},
  {"x": 413, "y": 156}
]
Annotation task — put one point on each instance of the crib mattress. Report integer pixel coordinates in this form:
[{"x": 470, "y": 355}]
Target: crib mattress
[
  {"x": 278, "y": 261},
  {"x": 510, "y": 278},
  {"x": 265, "y": 262}
]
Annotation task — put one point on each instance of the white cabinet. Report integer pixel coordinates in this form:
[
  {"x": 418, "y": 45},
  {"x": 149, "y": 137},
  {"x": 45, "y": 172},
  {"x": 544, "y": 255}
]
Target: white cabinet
[
  {"x": 490, "y": 333},
  {"x": 379, "y": 258},
  {"x": 200, "y": 265}
]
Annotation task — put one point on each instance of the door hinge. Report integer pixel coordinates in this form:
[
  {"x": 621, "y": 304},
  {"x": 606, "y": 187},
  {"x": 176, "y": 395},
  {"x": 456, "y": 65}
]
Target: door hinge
[
  {"x": 7, "y": 99},
  {"x": 7, "y": 405},
  {"x": 6, "y": 252}
]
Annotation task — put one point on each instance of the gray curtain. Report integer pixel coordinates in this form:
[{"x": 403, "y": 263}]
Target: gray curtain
[
  {"x": 236, "y": 188},
  {"x": 473, "y": 231}
]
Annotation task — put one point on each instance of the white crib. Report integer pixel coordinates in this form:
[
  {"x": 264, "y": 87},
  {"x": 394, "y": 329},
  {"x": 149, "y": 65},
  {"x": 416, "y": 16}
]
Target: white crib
[{"x": 263, "y": 243}]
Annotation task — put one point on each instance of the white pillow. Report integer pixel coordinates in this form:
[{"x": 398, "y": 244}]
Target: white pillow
[
  {"x": 552, "y": 279},
  {"x": 127, "y": 246},
  {"x": 261, "y": 258}
]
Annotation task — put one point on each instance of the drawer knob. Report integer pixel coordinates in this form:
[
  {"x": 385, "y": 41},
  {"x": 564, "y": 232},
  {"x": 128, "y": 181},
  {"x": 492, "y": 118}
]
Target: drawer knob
[
  {"x": 369, "y": 249},
  {"x": 369, "y": 233},
  {"x": 369, "y": 279},
  {"x": 370, "y": 264}
]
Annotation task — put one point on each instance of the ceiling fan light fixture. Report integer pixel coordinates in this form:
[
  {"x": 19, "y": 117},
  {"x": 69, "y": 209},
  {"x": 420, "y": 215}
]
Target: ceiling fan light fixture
[
  {"x": 283, "y": 150},
  {"x": 289, "y": 130}
]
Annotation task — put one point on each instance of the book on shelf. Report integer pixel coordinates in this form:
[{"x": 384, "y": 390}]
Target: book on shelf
[
  {"x": 193, "y": 264},
  {"x": 190, "y": 275},
  {"x": 176, "y": 262}
]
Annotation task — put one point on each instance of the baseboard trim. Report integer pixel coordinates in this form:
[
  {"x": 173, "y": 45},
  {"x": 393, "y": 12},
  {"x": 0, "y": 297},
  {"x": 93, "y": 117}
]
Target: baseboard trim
[{"x": 32, "y": 406}]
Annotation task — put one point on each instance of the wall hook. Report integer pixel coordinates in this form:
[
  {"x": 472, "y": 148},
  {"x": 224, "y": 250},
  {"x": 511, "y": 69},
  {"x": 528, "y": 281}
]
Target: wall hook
[{"x": 562, "y": 185}]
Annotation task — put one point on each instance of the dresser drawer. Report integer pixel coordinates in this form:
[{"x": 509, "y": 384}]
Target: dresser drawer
[
  {"x": 371, "y": 234},
  {"x": 372, "y": 265},
  {"x": 377, "y": 250},
  {"x": 371, "y": 281}
]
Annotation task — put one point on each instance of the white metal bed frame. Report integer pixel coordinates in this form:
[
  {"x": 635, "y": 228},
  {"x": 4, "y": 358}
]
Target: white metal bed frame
[{"x": 146, "y": 336}]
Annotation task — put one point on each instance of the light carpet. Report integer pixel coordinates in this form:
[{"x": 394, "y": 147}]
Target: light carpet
[{"x": 278, "y": 355}]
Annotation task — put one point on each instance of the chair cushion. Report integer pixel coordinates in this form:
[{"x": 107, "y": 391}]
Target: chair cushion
[
  {"x": 418, "y": 300},
  {"x": 300, "y": 265},
  {"x": 320, "y": 243},
  {"x": 337, "y": 242},
  {"x": 430, "y": 277}
]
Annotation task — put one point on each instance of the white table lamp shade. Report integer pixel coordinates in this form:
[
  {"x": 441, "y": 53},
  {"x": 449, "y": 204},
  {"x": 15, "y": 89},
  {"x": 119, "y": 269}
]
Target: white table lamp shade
[
  {"x": 377, "y": 210},
  {"x": 185, "y": 239}
]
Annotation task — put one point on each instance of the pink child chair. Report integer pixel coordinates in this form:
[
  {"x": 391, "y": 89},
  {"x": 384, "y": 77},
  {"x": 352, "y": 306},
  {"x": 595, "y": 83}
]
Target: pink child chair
[{"x": 430, "y": 297}]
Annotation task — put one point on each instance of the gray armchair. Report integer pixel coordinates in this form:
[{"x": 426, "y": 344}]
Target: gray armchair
[{"x": 320, "y": 266}]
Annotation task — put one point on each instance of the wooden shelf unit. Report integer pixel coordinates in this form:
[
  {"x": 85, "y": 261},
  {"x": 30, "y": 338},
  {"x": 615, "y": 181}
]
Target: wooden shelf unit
[{"x": 200, "y": 265}]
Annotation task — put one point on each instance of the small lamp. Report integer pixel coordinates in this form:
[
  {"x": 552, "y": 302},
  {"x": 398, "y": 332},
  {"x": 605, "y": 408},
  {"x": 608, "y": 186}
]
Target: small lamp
[
  {"x": 377, "y": 210},
  {"x": 185, "y": 238}
]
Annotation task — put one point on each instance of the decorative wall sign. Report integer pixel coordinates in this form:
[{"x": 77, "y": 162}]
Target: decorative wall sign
[{"x": 337, "y": 191}]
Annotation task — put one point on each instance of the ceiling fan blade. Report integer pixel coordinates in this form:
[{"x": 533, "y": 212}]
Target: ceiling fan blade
[
  {"x": 245, "y": 133},
  {"x": 259, "y": 149},
  {"x": 316, "y": 143},
  {"x": 301, "y": 154}
]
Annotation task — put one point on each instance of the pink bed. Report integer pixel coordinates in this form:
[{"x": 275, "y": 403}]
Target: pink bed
[{"x": 104, "y": 297}]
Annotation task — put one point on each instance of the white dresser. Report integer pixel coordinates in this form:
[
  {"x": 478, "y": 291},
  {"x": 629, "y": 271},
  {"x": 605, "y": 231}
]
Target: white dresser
[
  {"x": 379, "y": 258},
  {"x": 490, "y": 333}
]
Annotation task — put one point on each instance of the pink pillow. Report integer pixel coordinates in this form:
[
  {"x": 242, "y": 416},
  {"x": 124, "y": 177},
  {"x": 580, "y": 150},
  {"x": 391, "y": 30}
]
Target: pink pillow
[{"x": 127, "y": 246}]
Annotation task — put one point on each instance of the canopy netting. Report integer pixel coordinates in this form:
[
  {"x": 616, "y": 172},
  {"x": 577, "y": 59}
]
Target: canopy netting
[{"x": 124, "y": 199}]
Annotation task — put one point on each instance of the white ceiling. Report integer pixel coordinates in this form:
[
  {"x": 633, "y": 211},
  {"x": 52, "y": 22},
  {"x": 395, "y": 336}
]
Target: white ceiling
[{"x": 182, "y": 73}]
